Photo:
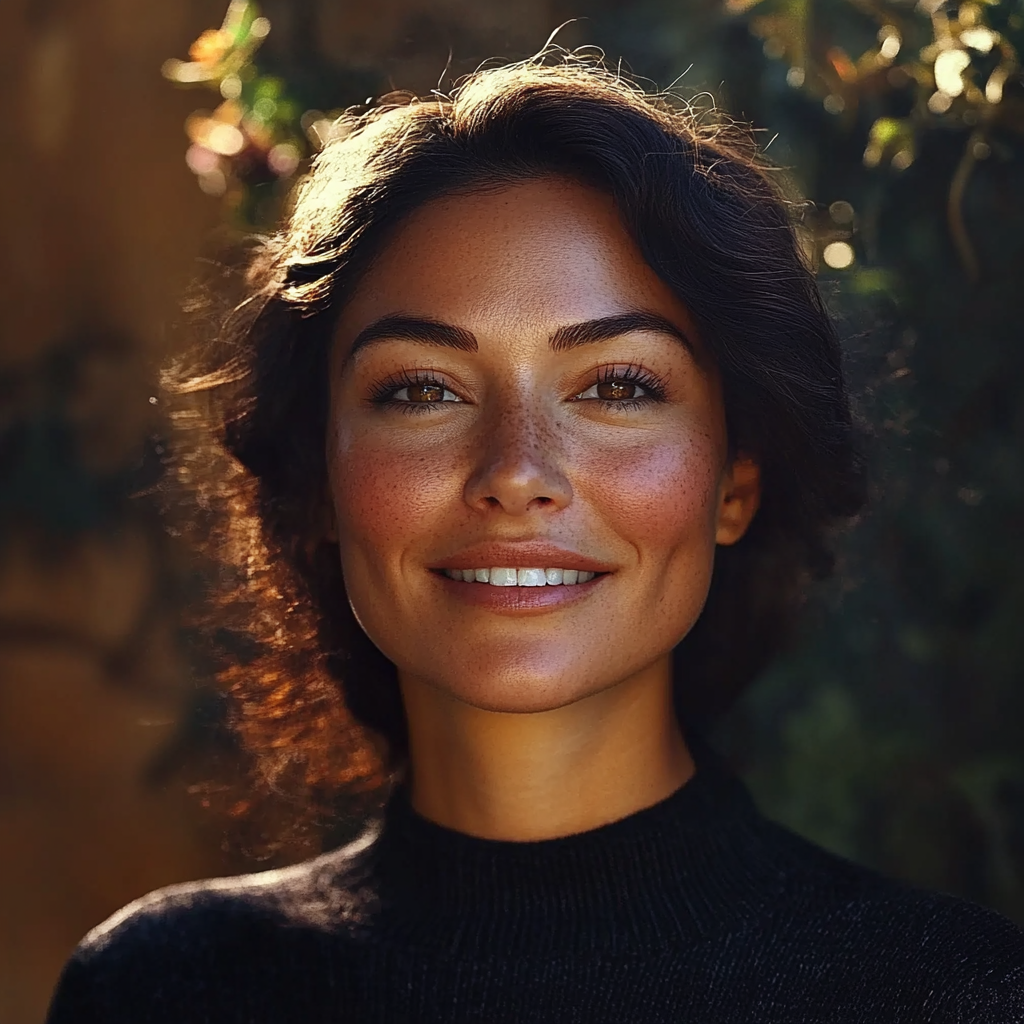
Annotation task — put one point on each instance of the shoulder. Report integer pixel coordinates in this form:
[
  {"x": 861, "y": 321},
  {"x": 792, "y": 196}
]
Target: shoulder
[
  {"x": 960, "y": 960},
  {"x": 235, "y": 930},
  {"x": 319, "y": 894},
  {"x": 830, "y": 888}
]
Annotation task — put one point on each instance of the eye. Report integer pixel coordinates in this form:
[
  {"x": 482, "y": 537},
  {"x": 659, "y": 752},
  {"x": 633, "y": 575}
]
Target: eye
[
  {"x": 423, "y": 393},
  {"x": 413, "y": 391},
  {"x": 614, "y": 390}
]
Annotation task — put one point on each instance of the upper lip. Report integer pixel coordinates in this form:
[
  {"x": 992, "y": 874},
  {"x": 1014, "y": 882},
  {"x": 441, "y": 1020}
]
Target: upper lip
[{"x": 523, "y": 555}]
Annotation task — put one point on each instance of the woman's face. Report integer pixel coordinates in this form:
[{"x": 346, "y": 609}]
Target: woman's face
[{"x": 516, "y": 397}]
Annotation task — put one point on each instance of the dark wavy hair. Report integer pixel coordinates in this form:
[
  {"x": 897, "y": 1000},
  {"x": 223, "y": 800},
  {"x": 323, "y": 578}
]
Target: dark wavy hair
[{"x": 316, "y": 701}]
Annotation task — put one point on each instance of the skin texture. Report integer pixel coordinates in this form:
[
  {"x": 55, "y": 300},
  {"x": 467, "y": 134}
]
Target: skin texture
[{"x": 530, "y": 722}]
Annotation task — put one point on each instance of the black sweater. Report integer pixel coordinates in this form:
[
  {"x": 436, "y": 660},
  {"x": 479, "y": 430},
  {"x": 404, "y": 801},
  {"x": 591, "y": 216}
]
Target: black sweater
[{"x": 696, "y": 909}]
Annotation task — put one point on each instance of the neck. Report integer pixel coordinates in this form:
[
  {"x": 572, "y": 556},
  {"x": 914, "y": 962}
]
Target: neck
[{"x": 541, "y": 775}]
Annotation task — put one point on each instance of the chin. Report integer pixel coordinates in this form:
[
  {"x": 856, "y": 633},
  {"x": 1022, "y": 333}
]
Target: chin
[
  {"x": 522, "y": 689},
  {"x": 520, "y": 700}
]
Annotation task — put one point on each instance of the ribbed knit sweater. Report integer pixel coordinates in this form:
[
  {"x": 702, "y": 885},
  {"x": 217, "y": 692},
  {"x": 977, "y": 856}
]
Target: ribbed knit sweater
[{"x": 696, "y": 909}]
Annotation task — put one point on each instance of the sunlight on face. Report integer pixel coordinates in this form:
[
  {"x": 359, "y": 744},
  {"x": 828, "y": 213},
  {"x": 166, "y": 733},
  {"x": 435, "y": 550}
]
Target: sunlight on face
[{"x": 513, "y": 388}]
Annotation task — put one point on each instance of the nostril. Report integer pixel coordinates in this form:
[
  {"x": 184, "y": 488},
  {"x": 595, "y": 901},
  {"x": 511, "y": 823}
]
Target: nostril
[{"x": 517, "y": 491}]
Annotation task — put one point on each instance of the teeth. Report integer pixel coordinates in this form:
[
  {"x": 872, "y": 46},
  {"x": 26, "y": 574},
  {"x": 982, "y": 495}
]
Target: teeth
[
  {"x": 503, "y": 576},
  {"x": 531, "y": 578}
]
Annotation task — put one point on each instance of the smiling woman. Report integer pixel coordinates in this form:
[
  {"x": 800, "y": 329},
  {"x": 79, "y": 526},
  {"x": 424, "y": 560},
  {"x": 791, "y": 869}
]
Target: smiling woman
[
  {"x": 525, "y": 442},
  {"x": 556, "y": 388}
]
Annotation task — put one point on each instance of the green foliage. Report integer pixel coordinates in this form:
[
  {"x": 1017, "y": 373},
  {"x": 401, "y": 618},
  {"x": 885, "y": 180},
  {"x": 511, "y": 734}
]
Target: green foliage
[
  {"x": 251, "y": 147},
  {"x": 895, "y": 733},
  {"x": 930, "y": 68}
]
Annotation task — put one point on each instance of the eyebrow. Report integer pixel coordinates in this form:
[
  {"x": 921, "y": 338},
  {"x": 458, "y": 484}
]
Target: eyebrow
[
  {"x": 400, "y": 326},
  {"x": 606, "y": 327}
]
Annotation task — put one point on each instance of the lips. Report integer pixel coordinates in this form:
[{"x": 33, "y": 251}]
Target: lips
[
  {"x": 508, "y": 576},
  {"x": 522, "y": 555},
  {"x": 517, "y": 600},
  {"x": 517, "y": 583}
]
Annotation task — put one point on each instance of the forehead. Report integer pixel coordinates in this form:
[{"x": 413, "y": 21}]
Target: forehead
[{"x": 541, "y": 252}]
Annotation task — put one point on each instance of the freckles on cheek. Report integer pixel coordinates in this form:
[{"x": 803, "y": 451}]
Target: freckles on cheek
[
  {"x": 658, "y": 494},
  {"x": 386, "y": 496}
]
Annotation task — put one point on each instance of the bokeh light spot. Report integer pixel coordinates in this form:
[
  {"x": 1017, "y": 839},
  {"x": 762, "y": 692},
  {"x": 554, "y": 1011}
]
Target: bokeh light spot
[
  {"x": 201, "y": 160},
  {"x": 214, "y": 183},
  {"x": 994, "y": 85},
  {"x": 838, "y": 255},
  {"x": 980, "y": 39},
  {"x": 231, "y": 87},
  {"x": 949, "y": 68},
  {"x": 225, "y": 139},
  {"x": 889, "y": 42},
  {"x": 841, "y": 212},
  {"x": 283, "y": 159},
  {"x": 903, "y": 159},
  {"x": 264, "y": 108}
]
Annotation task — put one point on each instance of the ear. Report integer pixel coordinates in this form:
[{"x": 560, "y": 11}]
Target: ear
[{"x": 739, "y": 497}]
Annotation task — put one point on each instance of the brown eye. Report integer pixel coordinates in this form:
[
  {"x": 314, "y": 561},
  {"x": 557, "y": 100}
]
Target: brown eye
[
  {"x": 426, "y": 393},
  {"x": 616, "y": 390},
  {"x": 619, "y": 390}
]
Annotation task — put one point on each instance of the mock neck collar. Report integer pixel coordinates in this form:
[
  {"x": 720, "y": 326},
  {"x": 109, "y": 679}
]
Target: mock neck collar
[{"x": 675, "y": 871}]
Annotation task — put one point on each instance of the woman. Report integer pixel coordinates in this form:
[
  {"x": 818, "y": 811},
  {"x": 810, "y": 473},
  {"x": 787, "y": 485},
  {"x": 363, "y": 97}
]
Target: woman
[{"x": 535, "y": 392}]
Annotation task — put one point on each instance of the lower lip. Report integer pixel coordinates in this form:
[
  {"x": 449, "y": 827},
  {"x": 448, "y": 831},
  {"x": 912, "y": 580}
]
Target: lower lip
[{"x": 519, "y": 600}]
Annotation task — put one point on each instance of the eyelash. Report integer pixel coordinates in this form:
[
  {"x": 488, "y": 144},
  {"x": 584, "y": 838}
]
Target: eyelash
[
  {"x": 631, "y": 373},
  {"x": 382, "y": 393}
]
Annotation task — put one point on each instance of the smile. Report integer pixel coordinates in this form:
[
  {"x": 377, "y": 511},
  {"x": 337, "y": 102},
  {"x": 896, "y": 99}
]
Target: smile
[{"x": 501, "y": 576}]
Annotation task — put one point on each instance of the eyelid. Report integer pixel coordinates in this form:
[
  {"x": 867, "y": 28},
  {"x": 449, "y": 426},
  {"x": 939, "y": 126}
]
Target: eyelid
[
  {"x": 383, "y": 391},
  {"x": 446, "y": 390},
  {"x": 582, "y": 395},
  {"x": 653, "y": 384}
]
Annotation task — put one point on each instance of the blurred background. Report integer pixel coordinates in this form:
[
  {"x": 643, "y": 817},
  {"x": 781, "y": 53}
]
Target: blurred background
[{"x": 142, "y": 140}]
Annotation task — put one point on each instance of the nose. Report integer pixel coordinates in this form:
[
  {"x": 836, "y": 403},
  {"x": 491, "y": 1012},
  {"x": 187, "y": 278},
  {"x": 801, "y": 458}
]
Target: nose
[{"x": 520, "y": 466}]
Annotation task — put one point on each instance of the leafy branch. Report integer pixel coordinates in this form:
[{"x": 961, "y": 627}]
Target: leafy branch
[
  {"x": 258, "y": 138},
  {"x": 953, "y": 65}
]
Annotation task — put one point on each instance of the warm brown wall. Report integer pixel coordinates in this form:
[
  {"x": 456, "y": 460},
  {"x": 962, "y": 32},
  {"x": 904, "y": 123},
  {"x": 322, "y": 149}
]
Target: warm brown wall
[
  {"x": 101, "y": 225},
  {"x": 101, "y": 221}
]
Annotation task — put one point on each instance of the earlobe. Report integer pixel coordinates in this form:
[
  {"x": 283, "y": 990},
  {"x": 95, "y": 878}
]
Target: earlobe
[{"x": 739, "y": 500}]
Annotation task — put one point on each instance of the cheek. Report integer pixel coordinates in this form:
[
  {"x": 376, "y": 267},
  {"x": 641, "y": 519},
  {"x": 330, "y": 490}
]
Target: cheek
[
  {"x": 387, "y": 495},
  {"x": 659, "y": 494},
  {"x": 661, "y": 498}
]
